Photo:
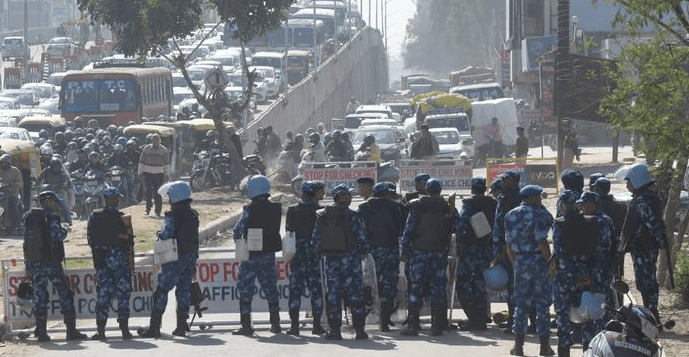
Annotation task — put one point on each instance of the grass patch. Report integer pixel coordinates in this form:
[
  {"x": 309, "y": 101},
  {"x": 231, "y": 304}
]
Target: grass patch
[
  {"x": 84, "y": 263},
  {"x": 143, "y": 240}
]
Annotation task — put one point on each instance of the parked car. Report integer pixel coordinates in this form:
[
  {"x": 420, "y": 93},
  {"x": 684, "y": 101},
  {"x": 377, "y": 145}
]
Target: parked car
[
  {"x": 61, "y": 46},
  {"x": 390, "y": 139},
  {"x": 15, "y": 47},
  {"x": 43, "y": 90},
  {"x": 452, "y": 144}
]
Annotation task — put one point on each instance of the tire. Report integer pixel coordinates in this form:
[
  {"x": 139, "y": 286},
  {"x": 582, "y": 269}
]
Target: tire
[{"x": 198, "y": 183}]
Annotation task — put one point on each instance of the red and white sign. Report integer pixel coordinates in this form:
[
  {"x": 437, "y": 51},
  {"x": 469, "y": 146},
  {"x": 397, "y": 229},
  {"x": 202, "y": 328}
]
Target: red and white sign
[
  {"x": 453, "y": 174},
  {"x": 339, "y": 173}
]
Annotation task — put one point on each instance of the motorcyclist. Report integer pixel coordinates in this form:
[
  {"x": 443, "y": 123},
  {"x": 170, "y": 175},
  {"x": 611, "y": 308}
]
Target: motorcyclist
[
  {"x": 336, "y": 149},
  {"x": 350, "y": 147},
  {"x": 106, "y": 147},
  {"x": 118, "y": 157},
  {"x": 95, "y": 163},
  {"x": 46, "y": 152},
  {"x": 316, "y": 151},
  {"x": 112, "y": 130},
  {"x": 12, "y": 184},
  {"x": 71, "y": 153},
  {"x": 60, "y": 144},
  {"x": 57, "y": 177},
  {"x": 133, "y": 152},
  {"x": 69, "y": 135},
  {"x": 210, "y": 142},
  {"x": 369, "y": 150},
  {"x": 44, "y": 134},
  {"x": 80, "y": 162}
]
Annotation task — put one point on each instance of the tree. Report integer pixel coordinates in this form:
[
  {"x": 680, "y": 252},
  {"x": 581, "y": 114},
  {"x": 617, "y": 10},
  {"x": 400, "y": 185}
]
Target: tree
[
  {"x": 142, "y": 27},
  {"x": 652, "y": 91}
]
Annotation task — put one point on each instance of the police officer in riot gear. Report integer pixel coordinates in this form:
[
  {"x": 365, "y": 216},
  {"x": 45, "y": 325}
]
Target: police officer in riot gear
[
  {"x": 643, "y": 233},
  {"x": 573, "y": 184},
  {"x": 181, "y": 223},
  {"x": 111, "y": 246},
  {"x": 383, "y": 223},
  {"x": 339, "y": 236},
  {"x": 57, "y": 177},
  {"x": 304, "y": 267},
  {"x": 424, "y": 244},
  {"x": 616, "y": 210},
  {"x": 526, "y": 233},
  {"x": 473, "y": 254},
  {"x": 262, "y": 217},
  {"x": 508, "y": 200},
  {"x": 44, "y": 252},
  {"x": 419, "y": 187}
]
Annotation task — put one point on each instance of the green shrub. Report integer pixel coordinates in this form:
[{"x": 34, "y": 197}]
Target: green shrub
[{"x": 682, "y": 275}]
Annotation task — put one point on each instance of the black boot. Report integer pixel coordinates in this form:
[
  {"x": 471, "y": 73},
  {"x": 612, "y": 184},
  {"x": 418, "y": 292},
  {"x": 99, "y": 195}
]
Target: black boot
[
  {"x": 334, "y": 333},
  {"x": 518, "y": 349},
  {"x": 275, "y": 322},
  {"x": 124, "y": 327},
  {"x": 294, "y": 327},
  {"x": 40, "y": 331},
  {"x": 438, "y": 322},
  {"x": 360, "y": 327},
  {"x": 71, "y": 323},
  {"x": 246, "y": 329},
  {"x": 100, "y": 331},
  {"x": 385, "y": 313},
  {"x": 317, "y": 328},
  {"x": 153, "y": 330},
  {"x": 182, "y": 327},
  {"x": 476, "y": 313},
  {"x": 545, "y": 346},
  {"x": 412, "y": 325},
  {"x": 562, "y": 351}
]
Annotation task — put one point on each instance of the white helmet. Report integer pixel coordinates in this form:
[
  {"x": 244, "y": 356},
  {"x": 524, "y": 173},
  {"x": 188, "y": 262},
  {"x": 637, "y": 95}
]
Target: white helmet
[{"x": 177, "y": 191}]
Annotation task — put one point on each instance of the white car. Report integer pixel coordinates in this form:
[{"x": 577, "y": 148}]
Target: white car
[
  {"x": 61, "y": 46},
  {"x": 26, "y": 98},
  {"x": 44, "y": 90},
  {"x": 452, "y": 144},
  {"x": 270, "y": 81},
  {"x": 14, "y": 133}
]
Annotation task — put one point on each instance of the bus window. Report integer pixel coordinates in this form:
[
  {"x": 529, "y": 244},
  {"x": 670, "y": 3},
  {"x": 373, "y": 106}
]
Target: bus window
[
  {"x": 80, "y": 96},
  {"x": 117, "y": 95}
]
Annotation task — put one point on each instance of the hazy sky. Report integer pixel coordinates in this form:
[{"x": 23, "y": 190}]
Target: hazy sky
[{"x": 398, "y": 14}]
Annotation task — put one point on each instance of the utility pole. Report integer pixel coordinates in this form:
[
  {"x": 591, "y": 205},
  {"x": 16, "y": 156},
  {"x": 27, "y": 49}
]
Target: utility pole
[{"x": 563, "y": 73}]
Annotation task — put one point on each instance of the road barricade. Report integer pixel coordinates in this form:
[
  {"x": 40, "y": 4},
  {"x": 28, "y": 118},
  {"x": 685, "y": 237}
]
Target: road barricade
[
  {"x": 335, "y": 173},
  {"x": 13, "y": 78},
  {"x": 536, "y": 171},
  {"x": 453, "y": 174}
]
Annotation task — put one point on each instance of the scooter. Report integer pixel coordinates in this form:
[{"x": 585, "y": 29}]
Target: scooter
[
  {"x": 632, "y": 332},
  {"x": 95, "y": 184},
  {"x": 117, "y": 177}
]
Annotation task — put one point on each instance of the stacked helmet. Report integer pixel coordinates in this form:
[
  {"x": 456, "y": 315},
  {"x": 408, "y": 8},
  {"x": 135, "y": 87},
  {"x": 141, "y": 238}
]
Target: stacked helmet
[
  {"x": 72, "y": 145},
  {"x": 496, "y": 277},
  {"x": 593, "y": 177},
  {"x": 314, "y": 138},
  {"x": 112, "y": 129},
  {"x": 258, "y": 185},
  {"x": 59, "y": 136},
  {"x": 131, "y": 142},
  {"x": 433, "y": 186},
  {"x": 46, "y": 150},
  {"x": 118, "y": 148},
  {"x": 177, "y": 191},
  {"x": 639, "y": 176},
  {"x": 110, "y": 192}
]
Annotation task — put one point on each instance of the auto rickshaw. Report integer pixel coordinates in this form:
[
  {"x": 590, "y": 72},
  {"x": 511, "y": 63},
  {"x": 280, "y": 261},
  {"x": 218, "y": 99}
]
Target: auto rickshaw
[
  {"x": 26, "y": 158},
  {"x": 168, "y": 138},
  {"x": 297, "y": 66},
  {"x": 185, "y": 135},
  {"x": 35, "y": 124},
  {"x": 198, "y": 129}
]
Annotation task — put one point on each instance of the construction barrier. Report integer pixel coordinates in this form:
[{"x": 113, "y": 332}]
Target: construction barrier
[
  {"x": 34, "y": 73},
  {"x": 13, "y": 77}
]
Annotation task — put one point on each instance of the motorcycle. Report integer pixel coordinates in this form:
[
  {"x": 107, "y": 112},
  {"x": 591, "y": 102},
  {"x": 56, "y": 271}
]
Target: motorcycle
[
  {"x": 632, "y": 332},
  {"x": 254, "y": 164},
  {"x": 79, "y": 186},
  {"x": 118, "y": 177},
  {"x": 210, "y": 169},
  {"x": 95, "y": 184}
]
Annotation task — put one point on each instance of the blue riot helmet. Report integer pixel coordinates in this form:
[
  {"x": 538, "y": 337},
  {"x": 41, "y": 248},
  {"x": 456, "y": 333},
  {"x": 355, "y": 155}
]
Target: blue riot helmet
[
  {"x": 309, "y": 187},
  {"x": 496, "y": 277},
  {"x": 111, "y": 192},
  {"x": 258, "y": 185},
  {"x": 380, "y": 189}
]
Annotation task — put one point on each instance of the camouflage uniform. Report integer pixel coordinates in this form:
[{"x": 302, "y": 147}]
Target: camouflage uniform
[
  {"x": 304, "y": 268},
  {"x": 261, "y": 265},
  {"x": 644, "y": 242},
  {"x": 508, "y": 200},
  {"x": 343, "y": 272},
  {"x": 427, "y": 265},
  {"x": 113, "y": 277},
  {"x": 474, "y": 255},
  {"x": 567, "y": 289},
  {"x": 525, "y": 227}
]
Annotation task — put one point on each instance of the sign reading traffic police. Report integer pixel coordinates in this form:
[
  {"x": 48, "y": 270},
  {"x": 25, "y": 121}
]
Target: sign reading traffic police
[{"x": 453, "y": 174}]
